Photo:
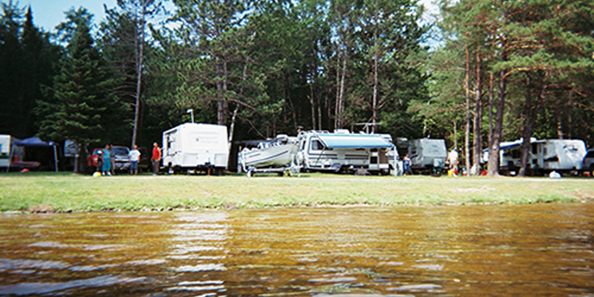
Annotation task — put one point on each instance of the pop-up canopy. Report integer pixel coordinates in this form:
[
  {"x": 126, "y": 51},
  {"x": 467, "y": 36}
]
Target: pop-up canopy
[
  {"x": 34, "y": 141},
  {"x": 333, "y": 141}
]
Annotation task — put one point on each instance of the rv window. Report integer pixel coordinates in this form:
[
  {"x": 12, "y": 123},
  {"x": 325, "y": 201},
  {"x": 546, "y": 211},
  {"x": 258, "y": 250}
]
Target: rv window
[
  {"x": 316, "y": 145},
  {"x": 570, "y": 147},
  {"x": 516, "y": 154}
]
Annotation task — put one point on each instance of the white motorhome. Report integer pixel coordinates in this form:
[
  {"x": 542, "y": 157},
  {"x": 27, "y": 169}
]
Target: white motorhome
[
  {"x": 193, "y": 146},
  {"x": 544, "y": 156},
  {"x": 426, "y": 154},
  {"x": 343, "y": 151}
]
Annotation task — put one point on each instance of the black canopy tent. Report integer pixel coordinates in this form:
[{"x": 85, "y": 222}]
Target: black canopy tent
[{"x": 36, "y": 142}]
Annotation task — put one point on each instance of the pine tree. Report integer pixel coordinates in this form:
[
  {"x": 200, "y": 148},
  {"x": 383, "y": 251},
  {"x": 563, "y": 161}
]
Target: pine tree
[{"x": 82, "y": 108}]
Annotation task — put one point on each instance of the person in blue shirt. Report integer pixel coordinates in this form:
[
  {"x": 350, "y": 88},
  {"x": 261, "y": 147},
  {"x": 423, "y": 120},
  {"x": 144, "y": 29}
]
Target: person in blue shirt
[
  {"x": 106, "y": 170},
  {"x": 407, "y": 169}
]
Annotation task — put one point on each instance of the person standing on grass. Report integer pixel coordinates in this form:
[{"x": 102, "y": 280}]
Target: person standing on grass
[
  {"x": 156, "y": 158},
  {"x": 406, "y": 163},
  {"x": 134, "y": 157},
  {"x": 106, "y": 167},
  {"x": 112, "y": 159},
  {"x": 453, "y": 160}
]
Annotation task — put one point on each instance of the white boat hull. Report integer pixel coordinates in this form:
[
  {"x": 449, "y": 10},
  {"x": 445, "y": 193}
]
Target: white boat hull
[{"x": 274, "y": 156}]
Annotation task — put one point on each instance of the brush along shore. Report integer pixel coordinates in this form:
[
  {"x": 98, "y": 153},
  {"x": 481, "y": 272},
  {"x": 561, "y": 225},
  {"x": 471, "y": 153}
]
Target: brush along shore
[{"x": 66, "y": 192}]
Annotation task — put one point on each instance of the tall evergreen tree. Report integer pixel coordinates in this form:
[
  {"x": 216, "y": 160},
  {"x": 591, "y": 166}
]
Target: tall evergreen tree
[
  {"x": 27, "y": 61},
  {"x": 83, "y": 107}
]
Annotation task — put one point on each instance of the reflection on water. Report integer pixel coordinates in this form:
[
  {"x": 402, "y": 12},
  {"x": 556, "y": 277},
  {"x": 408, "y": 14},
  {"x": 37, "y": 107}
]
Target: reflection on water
[{"x": 545, "y": 249}]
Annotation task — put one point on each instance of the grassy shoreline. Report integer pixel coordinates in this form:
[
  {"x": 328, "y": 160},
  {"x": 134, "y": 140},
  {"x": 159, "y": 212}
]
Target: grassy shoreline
[{"x": 66, "y": 192}]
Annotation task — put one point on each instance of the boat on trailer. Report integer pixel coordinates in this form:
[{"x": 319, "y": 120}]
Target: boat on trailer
[{"x": 269, "y": 156}]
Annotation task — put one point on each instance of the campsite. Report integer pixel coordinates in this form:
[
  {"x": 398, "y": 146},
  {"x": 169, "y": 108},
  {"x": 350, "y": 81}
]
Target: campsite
[{"x": 311, "y": 148}]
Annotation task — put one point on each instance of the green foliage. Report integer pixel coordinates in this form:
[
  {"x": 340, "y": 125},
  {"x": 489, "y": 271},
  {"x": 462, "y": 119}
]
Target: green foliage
[
  {"x": 26, "y": 63},
  {"x": 81, "y": 105}
]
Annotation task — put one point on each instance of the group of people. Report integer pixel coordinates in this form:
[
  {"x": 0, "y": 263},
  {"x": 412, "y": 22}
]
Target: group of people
[
  {"x": 106, "y": 160},
  {"x": 451, "y": 162}
]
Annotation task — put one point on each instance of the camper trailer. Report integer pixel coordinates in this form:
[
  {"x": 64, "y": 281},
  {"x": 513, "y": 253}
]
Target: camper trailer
[
  {"x": 561, "y": 155},
  {"x": 5, "y": 147},
  {"x": 343, "y": 152},
  {"x": 426, "y": 154},
  {"x": 198, "y": 147}
]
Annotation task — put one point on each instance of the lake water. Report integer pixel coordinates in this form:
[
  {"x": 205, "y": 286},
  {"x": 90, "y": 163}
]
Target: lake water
[{"x": 535, "y": 250}]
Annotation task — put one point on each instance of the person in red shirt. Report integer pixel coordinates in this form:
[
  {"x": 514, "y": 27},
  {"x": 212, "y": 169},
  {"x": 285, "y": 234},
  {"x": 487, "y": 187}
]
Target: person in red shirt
[{"x": 156, "y": 158}]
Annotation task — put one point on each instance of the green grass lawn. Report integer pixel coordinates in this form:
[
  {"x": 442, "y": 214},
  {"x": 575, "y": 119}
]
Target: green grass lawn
[{"x": 68, "y": 192}]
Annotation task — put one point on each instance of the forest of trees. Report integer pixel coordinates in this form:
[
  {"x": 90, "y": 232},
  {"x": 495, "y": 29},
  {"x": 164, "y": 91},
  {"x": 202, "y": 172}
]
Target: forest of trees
[{"x": 487, "y": 71}]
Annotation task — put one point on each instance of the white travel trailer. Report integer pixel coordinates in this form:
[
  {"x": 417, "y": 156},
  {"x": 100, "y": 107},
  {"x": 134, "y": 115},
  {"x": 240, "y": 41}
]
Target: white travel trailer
[
  {"x": 5, "y": 147},
  {"x": 561, "y": 155},
  {"x": 194, "y": 146},
  {"x": 426, "y": 154},
  {"x": 343, "y": 151}
]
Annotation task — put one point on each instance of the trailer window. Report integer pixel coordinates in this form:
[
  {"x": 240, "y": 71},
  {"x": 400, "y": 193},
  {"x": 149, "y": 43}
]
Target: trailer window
[{"x": 516, "y": 153}]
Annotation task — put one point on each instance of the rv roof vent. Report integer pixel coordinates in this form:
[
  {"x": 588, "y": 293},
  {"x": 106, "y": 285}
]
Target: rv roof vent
[{"x": 341, "y": 131}]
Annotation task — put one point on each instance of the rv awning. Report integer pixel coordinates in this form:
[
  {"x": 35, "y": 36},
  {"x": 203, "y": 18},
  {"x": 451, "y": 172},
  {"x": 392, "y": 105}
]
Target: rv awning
[
  {"x": 510, "y": 146},
  {"x": 332, "y": 141}
]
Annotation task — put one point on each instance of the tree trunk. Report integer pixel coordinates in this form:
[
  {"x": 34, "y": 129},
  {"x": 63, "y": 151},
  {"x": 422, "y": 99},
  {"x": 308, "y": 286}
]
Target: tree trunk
[
  {"x": 493, "y": 169},
  {"x": 139, "y": 51},
  {"x": 288, "y": 98},
  {"x": 375, "y": 72},
  {"x": 467, "y": 128},
  {"x": 312, "y": 102},
  {"x": 559, "y": 115},
  {"x": 340, "y": 99},
  {"x": 491, "y": 96},
  {"x": 531, "y": 114},
  {"x": 570, "y": 115},
  {"x": 478, "y": 119},
  {"x": 219, "y": 84},
  {"x": 528, "y": 127},
  {"x": 337, "y": 103}
]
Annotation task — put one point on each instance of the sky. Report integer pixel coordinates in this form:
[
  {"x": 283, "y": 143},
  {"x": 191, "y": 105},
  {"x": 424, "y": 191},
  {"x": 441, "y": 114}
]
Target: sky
[{"x": 49, "y": 13}]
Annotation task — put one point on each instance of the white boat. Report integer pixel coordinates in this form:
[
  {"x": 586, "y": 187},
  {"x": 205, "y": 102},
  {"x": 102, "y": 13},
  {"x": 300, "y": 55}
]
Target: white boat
[{"x": 273, "y": 154}]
